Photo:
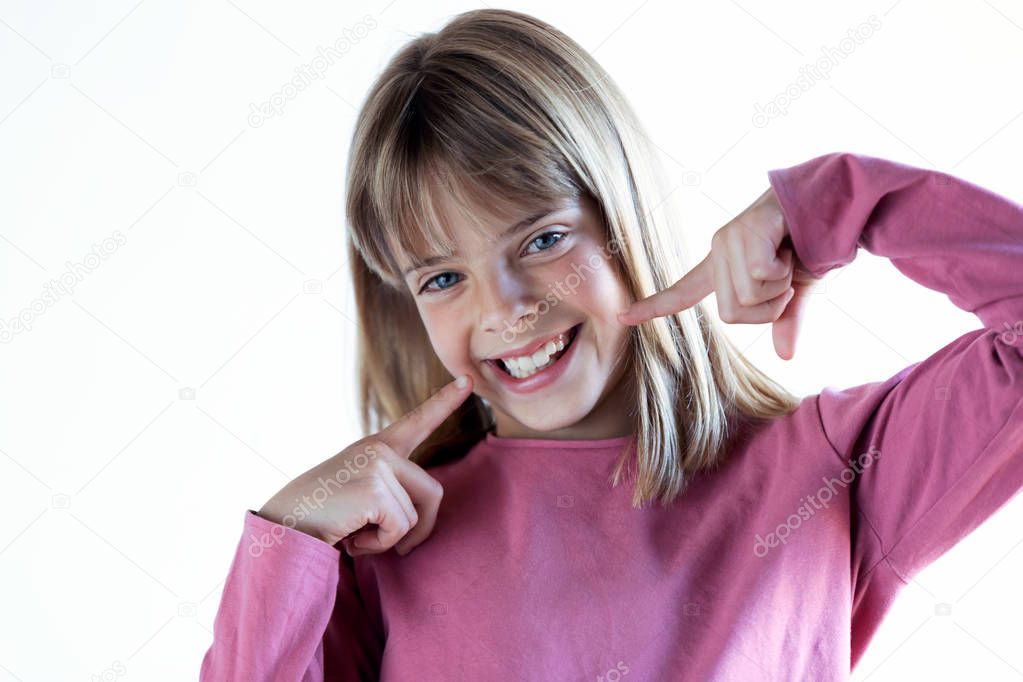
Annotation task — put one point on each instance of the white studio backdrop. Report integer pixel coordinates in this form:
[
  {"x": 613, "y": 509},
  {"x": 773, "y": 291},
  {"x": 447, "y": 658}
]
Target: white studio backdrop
[{"x": 172, "y": 231}]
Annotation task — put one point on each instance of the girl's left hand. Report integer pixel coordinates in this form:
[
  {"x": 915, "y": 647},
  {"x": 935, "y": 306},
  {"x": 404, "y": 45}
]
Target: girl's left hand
[{"x": 755, "y": 277}]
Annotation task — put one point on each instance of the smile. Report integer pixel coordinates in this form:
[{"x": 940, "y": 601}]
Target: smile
[{"x": 545, "y": 365}]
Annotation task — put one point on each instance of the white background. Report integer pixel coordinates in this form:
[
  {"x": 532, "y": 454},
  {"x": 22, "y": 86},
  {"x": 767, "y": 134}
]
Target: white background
[{"x": 208, "y": 359}]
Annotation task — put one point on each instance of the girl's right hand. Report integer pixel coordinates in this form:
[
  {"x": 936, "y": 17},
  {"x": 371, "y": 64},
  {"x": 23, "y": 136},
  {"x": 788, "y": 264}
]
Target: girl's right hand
[
  {"x": 754, "y": 276},
  {"x": 372, "y": 481}
]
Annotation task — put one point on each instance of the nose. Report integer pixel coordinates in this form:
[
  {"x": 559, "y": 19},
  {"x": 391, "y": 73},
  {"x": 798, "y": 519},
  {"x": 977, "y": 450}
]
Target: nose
[{"x": 504, "y": 298}]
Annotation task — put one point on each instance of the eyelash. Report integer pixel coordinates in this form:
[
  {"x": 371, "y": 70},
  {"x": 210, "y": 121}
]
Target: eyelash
[{"x": 423, "y": 289}]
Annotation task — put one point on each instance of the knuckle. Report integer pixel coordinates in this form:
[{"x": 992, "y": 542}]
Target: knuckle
[
  {"x": 369, "y": 514},
  {"x": 759, "y": 270},
  {"x": 378, "y": 490},
  {"x": 376, "y": 469},
  {"x": 374, "y": 446}
]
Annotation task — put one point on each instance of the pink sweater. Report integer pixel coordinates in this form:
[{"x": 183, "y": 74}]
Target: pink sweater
[{"x": 780, "y": 565}]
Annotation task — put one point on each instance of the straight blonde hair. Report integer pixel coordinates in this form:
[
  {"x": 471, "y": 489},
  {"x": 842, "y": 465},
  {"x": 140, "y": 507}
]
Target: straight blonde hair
[{"x": 500, "y": 109}]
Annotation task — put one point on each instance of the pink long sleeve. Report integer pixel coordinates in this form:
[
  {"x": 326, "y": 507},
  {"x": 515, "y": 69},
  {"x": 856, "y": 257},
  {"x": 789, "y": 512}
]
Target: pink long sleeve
[
  {"x": 286, "y": 594},
  {"x": 538, "y": 569},
  {"x": 948, "y": 430}
]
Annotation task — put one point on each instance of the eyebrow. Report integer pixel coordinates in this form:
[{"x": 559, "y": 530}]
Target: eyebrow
[{"x": 525, "y": 222}]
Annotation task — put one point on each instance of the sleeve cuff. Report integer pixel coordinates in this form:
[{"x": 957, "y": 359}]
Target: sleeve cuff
[
  {"x": 263, "y": 536},
  {"x": 794, "y": 220}
]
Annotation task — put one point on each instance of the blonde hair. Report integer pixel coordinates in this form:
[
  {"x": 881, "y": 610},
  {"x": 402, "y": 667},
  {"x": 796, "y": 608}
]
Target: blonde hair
[{"x": 500, "y": 109}]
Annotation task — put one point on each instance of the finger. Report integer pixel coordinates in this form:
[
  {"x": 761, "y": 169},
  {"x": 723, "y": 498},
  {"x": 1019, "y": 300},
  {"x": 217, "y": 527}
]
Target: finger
[
  {"x": 733, "y": 312},
  {"x": 779, "y": 268},
  {"x": 744, "y": 249},
  {"x": 391, "y": 524},
  {"x": 763, "y": 309},
  {"x": 426, "y": 492},
  {"x": 740, "y": 252},
  {"x": 401, "y": 494},
  {"x": 728, "y": 307},
  {"x": 694, "y": 286},
  {"x": 769, "y": 290},
  {"x": 405, "y": 434},
  {"x": 768, "y": 311},
  {"x": 769, "y": 263},
  {"x": 786, "y": 328},
  {"x": 415, "y": 490}
]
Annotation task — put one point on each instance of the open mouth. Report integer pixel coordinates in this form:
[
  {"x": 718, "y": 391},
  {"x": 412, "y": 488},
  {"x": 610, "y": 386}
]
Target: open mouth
[{"x": 521, "y": 373}]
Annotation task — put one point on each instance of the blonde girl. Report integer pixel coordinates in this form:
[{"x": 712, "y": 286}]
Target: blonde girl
[{"x": 610, "y": 489}]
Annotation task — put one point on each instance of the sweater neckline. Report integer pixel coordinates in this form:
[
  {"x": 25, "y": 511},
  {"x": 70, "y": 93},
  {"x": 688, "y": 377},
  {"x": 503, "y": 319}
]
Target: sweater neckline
[{"x": 555, "y": 444}]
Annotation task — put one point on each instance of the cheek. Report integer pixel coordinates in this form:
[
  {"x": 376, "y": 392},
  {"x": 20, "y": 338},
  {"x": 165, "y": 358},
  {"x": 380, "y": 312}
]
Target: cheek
[
  {"x": 447, "y": 337},
  {"x": 598, "y": 293},
  {"x": 594, "y": 287}
]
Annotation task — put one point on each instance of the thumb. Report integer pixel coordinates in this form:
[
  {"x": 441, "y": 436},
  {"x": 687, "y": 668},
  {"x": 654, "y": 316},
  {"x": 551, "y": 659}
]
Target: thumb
[{"x": 788, "y": 325}]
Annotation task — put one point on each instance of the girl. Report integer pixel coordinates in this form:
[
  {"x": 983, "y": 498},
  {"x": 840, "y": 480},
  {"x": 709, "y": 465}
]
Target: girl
[{"x": 623, "y": 495}]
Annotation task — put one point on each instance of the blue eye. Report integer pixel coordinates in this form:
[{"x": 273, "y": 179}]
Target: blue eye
[
  {"x": 426, "y": 285},
  {"x": 436, "y": 277},
  {"x": 547, "y": 234}
]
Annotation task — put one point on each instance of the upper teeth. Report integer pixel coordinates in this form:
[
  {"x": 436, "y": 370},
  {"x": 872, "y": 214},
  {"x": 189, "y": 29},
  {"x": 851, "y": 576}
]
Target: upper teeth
[{"x": 527, "y": 364}]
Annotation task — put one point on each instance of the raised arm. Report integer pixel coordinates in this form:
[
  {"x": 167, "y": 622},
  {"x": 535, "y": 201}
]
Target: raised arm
[
  {"x": 943, "y": 438},
  {"x": 939, "y": 230}
]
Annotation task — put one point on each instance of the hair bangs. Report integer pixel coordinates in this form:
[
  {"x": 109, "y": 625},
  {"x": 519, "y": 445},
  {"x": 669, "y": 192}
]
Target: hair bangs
[{"x": 458, "y": 150}]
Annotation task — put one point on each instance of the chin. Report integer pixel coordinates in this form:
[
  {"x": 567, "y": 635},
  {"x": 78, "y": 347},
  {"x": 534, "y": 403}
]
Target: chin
[{"x": 546, "y": 422}]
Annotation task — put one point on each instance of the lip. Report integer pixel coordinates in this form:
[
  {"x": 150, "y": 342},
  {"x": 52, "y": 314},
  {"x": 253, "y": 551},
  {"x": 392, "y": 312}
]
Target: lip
[
  {"x": 531, "y": 348},
  {"x": 544, "y": 377}
]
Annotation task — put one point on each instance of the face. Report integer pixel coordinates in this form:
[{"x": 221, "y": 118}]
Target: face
[{"x": 508, "y": 290}]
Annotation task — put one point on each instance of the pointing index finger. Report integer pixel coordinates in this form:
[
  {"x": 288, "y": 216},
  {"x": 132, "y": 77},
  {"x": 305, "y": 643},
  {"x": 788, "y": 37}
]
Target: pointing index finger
[
  {"x": 405, "y": 434},
  {"x": 694, "y": 286}
]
